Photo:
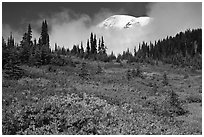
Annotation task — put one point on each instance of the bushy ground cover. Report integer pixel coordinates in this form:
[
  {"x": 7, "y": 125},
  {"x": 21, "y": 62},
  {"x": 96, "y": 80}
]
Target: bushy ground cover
[{"x": 47, "y": 102}]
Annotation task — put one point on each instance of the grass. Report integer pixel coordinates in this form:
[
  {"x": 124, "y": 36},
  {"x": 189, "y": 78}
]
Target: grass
[{"x": 60, "y": 102}]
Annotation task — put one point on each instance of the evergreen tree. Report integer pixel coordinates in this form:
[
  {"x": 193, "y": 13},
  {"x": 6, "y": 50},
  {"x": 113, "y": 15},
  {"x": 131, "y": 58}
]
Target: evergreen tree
[
  {"x": 103, "y": 48},
  {"x": 93, "y": 42},
  {"x": 135, "y": 52},
  {"x": 5, "y": 53},
  {"x": 56, "y": 49},
  {"x": 25, "y": 49},
  {"x": 44, "y": 34},
  {"x": 99, "y": 46},
  {"x": 74, "y": 50},
  {"x": 63, "y": 51},
  {"x": 44, "y": 43},
  {"x": 88, "y": 50},
  {"x": 10, "y": 59},
  {"x": 78, "y": 51},
  {"x": 95, "y": 45},
  {"x": 82, "y": 50},
  {"x": 29, "y": 35},
  {"x": 32, "y": 58},
  {"x": 112, "y": 56}
]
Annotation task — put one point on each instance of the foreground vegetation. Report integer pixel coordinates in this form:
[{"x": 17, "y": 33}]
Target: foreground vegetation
[{"x": 102, "y": 98}]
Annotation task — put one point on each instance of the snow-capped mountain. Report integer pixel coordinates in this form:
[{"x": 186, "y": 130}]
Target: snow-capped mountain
[{"x": 123, "y": 21}]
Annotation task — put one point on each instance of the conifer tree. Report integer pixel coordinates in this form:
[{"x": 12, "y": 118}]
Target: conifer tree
[
  {"x": 29, "y": 35},
  {"x": 87, "y": 50},
  {"x": 44, "y": 34},
  {"x": 95, "y": 45},
  {"x": 74, "y": 50},
  {"x": 56, "y": 48},
  {"x": 135, "y": 52},
  {"x": 92, "y": 43},
  {"x": 63, "y": 51},
  {"x": 44, "y": 43},
  {"x": 82, "y": 50},
  {"x": 11, "y": 65},
  {"x": 103, "y": 48},
  {"x": 78, "y": 50},
  {"x": 99, "y": 46},
  {"x": 5, "y": 53},
  {"x": 26, "y": 46}
]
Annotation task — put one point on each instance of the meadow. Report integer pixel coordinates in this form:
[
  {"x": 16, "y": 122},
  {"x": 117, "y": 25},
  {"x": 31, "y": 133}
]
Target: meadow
[{"x": 92, "y": 97}]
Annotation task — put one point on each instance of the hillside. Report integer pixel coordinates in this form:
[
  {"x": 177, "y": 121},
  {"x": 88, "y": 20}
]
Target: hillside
[
  {"x": 85, "y": 91},
  {"x": 112, "y": 100}
]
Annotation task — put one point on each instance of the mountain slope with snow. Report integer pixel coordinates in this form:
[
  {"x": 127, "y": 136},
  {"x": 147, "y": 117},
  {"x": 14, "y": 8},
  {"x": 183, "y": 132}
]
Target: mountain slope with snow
[{"x": 124, "y": 22}]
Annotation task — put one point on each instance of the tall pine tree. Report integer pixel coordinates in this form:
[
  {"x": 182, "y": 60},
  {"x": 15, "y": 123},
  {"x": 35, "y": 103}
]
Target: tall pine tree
[{"x": 44, "y": 44}]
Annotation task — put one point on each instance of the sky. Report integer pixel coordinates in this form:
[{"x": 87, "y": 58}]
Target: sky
[{"x": 70, "y": 23}]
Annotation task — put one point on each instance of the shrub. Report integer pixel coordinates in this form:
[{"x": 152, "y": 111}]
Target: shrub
[
  {"x": 51, "y": 68},
  {"x": 61, "y": 61},
  {"x": 167, "y": 105},
  {"x": 128, "y": 74},
  {"x": 83, "y": 71},
  {"x": 13, "y": 71},
  {"x": 138, "y": 72},
  {"x": 155, "y": 89},
  {"x": 185, "y": 76},
  {"x": 194, "y": 99},
  {"x": 72, "y": 114},
  {"x": 165, "y": 80},
  {"x": 134, "y": 73},
  {"x": 99, "y": 69}
]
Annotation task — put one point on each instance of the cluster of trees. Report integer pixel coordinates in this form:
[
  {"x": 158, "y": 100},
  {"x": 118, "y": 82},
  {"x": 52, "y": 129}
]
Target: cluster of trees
[
  {"x": 183, "y": 49},
  {"x": 33, "y": 52},
  {"x": 187, "y": 43},
  {"x": 95, "y": 49},
  {"x": 28, "y": 52}
]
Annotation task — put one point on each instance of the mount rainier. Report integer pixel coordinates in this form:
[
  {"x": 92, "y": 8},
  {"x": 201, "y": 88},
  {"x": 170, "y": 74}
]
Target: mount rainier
[{"x": 124, "y": 22}]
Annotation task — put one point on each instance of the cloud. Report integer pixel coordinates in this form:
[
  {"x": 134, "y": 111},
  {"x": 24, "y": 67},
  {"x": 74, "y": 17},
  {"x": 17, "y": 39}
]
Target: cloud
[
  {"x": 67, "y": 27},
  {"x": 171, "y": 18}
]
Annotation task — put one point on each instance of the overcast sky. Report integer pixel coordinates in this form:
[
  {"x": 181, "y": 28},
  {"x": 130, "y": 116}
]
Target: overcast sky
[
  {"x": 17, "y": 14},
  {"x": 71, "y": 23}
]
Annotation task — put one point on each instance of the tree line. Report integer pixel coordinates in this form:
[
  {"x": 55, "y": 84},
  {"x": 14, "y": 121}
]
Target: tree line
[
  {"x": 184, "y": 49},
  {"x": 36, "y": 53}
]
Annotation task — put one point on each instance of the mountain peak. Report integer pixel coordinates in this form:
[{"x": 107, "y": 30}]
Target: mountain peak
[{"x": 123, "y": 22}]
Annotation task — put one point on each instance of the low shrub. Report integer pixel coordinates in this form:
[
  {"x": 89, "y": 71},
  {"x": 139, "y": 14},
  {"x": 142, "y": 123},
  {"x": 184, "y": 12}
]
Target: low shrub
[
  {"x": 167, "y": 105},
  {"x": 165, "y": 80},
  {"x": 13, "y": 71},
  {"x": 194, "y": 99},
  {"x": 86, "y": 114},
  {"x": 99, "y": 69},
  {"x": 84, "y": 71},
  {"x": 61, "y": 61},
  {"x": 128, "y": 74}
]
